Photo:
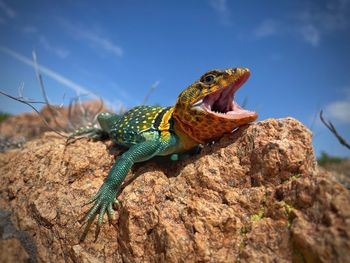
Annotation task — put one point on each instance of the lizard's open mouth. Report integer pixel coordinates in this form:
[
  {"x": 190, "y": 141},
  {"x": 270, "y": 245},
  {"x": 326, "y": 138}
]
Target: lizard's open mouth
[{"x": 222, "y": 103}]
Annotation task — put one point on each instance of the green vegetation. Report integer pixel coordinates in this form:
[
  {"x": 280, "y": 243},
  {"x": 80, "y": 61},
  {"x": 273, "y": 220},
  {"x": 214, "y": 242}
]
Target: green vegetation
[
  {"x": 4, "y": 116},
  {"x": 293, "y": 177},
  {"x": 325, "y": 159},
  {"x": 264, "y": 200},
  {"x": 288, "y": 212},
  {"x": 243, "y": 233},
  {"x": 258, "y": 216},
  {"x": 246, "y": 229}
]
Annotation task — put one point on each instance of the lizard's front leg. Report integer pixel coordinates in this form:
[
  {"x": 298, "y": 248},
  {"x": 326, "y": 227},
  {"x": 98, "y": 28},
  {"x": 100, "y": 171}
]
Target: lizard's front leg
[{"x": 106, "y": 195}]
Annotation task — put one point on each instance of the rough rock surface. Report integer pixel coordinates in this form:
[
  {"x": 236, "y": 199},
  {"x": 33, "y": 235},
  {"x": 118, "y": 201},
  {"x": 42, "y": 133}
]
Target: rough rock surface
[
  {"x": 341, "y": 171},
  {"x": 254, "y": 196}
]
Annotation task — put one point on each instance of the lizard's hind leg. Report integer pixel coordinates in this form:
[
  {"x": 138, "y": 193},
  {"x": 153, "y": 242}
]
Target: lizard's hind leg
[
  {"x": 91, "y": 132},
  {"x": 106, "y": 121}
]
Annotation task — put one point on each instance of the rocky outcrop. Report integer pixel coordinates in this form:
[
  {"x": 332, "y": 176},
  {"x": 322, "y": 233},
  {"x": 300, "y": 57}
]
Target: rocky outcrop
[
  {"x": 341, "y": 171},
  {"x": 254, "y": 196}
]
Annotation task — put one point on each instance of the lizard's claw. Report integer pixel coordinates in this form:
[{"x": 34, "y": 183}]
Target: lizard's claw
[
  {"x": 116, "y": 203},
  {"x": 104, "y": 200}
]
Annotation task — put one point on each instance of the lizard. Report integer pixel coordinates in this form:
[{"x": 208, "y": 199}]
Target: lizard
[{"x": 204, "y": 112}]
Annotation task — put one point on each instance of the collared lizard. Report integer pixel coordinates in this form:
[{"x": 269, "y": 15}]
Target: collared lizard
[{"x": 204, "y": 111}]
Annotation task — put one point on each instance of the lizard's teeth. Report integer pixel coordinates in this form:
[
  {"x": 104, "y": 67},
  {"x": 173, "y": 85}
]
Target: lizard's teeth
[{"x": 198, "y": 103}]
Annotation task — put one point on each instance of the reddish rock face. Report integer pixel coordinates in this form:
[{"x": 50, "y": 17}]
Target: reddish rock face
[{"x": 254, "y": 196}]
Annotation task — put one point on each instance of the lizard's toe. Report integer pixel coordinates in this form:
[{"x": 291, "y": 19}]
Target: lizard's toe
[{"x": 104, "y": 200}]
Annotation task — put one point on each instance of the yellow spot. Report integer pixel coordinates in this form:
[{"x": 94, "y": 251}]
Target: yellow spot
[{"x": 165, "y": 135}]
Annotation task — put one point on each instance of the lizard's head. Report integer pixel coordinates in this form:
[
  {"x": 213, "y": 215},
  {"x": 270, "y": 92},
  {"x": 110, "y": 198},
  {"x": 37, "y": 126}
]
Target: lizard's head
[{"x": 207, "y": 109}]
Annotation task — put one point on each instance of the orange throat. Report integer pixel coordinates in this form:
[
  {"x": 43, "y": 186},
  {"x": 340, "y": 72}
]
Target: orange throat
[{"x": 202, "y": 128}]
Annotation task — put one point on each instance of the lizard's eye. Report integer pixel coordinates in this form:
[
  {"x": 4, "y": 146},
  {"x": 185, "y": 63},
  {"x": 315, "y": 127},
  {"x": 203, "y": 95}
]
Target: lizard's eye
[{"x": 209, "y": 79}]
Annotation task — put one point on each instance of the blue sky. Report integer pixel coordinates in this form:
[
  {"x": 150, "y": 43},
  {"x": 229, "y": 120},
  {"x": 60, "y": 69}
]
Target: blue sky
[{"x": 298, "y": 53}]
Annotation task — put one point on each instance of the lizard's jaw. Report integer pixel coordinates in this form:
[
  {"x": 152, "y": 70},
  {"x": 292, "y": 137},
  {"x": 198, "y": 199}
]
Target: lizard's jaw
[{"x": 221, "y": 103}]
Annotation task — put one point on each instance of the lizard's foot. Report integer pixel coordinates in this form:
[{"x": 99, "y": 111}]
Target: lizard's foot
[
  {"x": 182, "y": 156},
  {"x": 104, "y": 201}
]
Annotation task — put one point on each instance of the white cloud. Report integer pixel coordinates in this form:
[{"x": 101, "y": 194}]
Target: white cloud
[
  {"x": 265, "y": 29},
  {"x": 79, "y": 89},
  {"x": 311, "y": 35},
  {"x": 7, "y": 9},
  {"x": 93, "y": 38},
  {"x": 340, "y": 110},
  {"x": 60, "y": 52},
  {"x": 318, "y": 20},
  {"x": 221, "y": 8},
  {"x": 101, "y": 42},
  {"x": 332, "y": 15},
  {"x": 44, "y": 42},
  {"x": 311, "y": 25}
]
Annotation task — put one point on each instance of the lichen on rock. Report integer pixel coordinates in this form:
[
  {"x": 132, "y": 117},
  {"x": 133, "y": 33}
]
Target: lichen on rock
[{"x": 254, "y": 196}]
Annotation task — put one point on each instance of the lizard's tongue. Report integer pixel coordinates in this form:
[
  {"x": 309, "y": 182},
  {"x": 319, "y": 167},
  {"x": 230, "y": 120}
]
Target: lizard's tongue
[
  {"x": 222, "y": 103},
  {"x": 219, "y": 101}
]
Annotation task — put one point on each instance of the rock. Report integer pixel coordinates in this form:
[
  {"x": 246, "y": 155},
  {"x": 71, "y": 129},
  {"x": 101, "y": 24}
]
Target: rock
[
  {"x": 14, "y": 244},
  {"x": 11, "y": 251},
  {"x": 341, "y": 171},
  {"x": 254, "y": 196}
]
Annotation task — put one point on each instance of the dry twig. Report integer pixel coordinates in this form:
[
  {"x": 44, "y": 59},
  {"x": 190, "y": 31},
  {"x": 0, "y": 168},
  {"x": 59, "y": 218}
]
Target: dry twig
[
  {"x": 82, "y": 115},
  {"x": 333, "y": 130},
  {"x": 150, "y": 91},
  {"x": 51, "y": 109},
  {"x": 29, "y": 103}
]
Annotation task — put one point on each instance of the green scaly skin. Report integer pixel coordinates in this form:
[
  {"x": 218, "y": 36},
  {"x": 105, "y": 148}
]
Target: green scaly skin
[{"x": 203, "y": 112}]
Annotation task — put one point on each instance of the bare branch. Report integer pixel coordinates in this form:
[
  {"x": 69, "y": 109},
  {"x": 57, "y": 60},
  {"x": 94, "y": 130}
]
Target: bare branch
[
  {"x": 20, "y": 89},
  {"x": 333, "y": 130},
  {"x": 87, "y": 116},
  {"x": 84, "y": 113},
  {"x": 150, "y": 91},
  {"x": 54, "y": 112},
  {"x": 21, "y": 96},
  {"x": 71, "y": 104},
  {"x": 78, "y": 113},
  {"x": 31, "y": 106},
  {"x": 95, "y": 113},
  {"x": 313, "y": 122},
  {"x": 62, "y": 103}
]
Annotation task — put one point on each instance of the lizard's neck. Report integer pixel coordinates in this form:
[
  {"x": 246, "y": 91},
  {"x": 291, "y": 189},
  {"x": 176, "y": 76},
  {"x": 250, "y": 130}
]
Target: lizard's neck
[
  {"x": 186, "y": 134},
  {"x": 187, "y": 126}
]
